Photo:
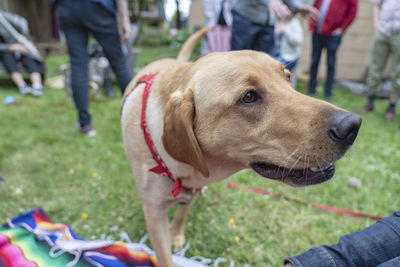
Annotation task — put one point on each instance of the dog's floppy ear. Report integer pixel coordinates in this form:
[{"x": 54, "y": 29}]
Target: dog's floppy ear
[{"x": 178, "y": 137}]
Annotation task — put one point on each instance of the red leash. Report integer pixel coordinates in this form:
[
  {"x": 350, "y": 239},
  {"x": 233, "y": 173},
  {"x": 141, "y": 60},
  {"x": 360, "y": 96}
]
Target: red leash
[{"x": 318, "y": 206}]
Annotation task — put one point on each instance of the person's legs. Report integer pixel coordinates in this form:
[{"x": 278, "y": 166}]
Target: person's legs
[
  {"x": 76, "y": 37},
  {"x": 243, "y": 32},
  {"x": 17, "y": 79},
  {"x": 103, "y": 26},
  {"x": 264, "y": 40},
  {"x": 36, "y": 79},
  {"x": 10, "y": 63},
  {"x": 395, "y": 76},
  {"x": 379, "y": 54},
  {"x": 107, "y": 82},
  {"x": 333, "y": 43},
  {"x": 317, "y": 45},
  {"x": 77, "y": 49}
]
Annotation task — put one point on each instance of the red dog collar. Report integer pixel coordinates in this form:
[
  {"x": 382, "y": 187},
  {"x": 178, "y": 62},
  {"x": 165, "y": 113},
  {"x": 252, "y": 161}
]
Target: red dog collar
[{"x": 161, "y": 168}]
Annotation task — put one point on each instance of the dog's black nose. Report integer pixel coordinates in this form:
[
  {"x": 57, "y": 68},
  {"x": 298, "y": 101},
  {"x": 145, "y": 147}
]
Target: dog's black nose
[{"x": 344, "y": 127}]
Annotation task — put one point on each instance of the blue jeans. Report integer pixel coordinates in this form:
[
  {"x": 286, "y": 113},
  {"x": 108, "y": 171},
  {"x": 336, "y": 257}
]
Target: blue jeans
[
  {"x": 79, "y": 19},
  {"x": 249, "y": 35},
  {"x": 319, "y": 42},
  {"x": 376, "y": 245},
  {"x": 290, "y": 65}
]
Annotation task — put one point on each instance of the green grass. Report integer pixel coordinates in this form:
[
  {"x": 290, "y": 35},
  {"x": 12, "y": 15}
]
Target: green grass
[{"x": 45, "y": 162}]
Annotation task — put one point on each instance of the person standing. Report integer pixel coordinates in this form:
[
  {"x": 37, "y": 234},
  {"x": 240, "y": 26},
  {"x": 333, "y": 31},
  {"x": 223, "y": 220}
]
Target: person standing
[
  {"x": 289, "y": 37},
  {"x": 80, "y": 18},
  {"x": 327, "y": 31},
  {"x": 253, "y": 22},
  {"x": 385, "y": 42}
]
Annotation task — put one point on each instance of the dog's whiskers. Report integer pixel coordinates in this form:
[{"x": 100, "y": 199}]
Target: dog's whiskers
[
  {"x": 294, "y": 164},
  {"x": 287, "y": 160},
  {"x": 306, "y": 162}
]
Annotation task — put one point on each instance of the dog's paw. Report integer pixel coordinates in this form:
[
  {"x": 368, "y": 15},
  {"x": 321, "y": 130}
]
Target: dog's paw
[{"x": 178, "y": 241}]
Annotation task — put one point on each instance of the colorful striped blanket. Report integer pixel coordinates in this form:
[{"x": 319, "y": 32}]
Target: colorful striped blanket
[{"x": 32, "y": 240}]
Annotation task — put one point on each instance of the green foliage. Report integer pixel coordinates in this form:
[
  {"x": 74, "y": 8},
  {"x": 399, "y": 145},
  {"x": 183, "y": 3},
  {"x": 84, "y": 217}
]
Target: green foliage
[
  {"x": 152, "y": 36},
  {"x": 45, "y": 162},
  {"x": 177, "y": 40}
]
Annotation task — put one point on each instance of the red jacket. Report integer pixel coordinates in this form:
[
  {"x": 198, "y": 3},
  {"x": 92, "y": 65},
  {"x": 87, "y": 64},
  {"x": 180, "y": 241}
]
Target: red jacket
[{"x": 340, "y": 14}]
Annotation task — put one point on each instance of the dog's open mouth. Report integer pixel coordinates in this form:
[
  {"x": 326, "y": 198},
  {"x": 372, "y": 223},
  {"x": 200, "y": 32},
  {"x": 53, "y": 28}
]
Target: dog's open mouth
[{"x": 295, "y": 177}]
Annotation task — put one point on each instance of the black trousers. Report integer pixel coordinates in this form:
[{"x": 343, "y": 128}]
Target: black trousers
[
  {"x": 249, "y": 35},
  {"x": 79, "y": 19},
  {"x": 10, "y": 61}
]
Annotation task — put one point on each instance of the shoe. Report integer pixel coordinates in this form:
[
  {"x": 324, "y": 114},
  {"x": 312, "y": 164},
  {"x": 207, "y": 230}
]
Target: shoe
[
  {"x": 86, "y": 130},
  {"x": 25, "y": 89},
  {"x": 390, "y": 114},
  {"x": 37, "y": 90},
  {"x": 367, "y": 108}
]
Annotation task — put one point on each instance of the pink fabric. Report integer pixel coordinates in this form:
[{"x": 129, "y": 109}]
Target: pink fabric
[
  {"x": 219, "y": 39},
  {"x": 15, "y": 257}
]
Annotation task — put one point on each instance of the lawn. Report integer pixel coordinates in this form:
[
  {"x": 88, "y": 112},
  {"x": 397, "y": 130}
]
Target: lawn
[{"x": 45, "y": 162}]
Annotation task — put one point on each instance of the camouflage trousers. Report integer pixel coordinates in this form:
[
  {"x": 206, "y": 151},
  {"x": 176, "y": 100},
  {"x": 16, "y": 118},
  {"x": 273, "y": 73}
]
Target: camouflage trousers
[{"x": 382, "y": 47}]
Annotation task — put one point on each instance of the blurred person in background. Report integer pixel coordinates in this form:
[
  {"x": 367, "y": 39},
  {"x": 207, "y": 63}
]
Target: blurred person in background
[
  {"x": 335, "y": 16},
  {"x": 219, "y": 18},
  {"x": 289, "y": 37},
  {"x": 100, "y": 18},
  {"x": 16, "y": 48},
  {"x": 386, "y": 42},
  {"x": 253, "y": 22}
]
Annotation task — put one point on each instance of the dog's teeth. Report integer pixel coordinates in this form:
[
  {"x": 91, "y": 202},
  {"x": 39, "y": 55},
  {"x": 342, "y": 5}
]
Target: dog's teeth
[
  {"x": 315, "y": 169},
  {"x": 325, "y": 167}
]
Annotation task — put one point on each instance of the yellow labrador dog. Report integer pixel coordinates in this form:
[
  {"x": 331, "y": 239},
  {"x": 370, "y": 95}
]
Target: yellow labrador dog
[{"x": 186, "y": 125}]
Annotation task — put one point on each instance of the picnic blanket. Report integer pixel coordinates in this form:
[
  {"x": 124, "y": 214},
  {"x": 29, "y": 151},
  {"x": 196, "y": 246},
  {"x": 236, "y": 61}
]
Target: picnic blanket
[{"x": 32, "y": 240}]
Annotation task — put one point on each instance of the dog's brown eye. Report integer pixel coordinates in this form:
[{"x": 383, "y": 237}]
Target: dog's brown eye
[{"x": 250, "y": 97}]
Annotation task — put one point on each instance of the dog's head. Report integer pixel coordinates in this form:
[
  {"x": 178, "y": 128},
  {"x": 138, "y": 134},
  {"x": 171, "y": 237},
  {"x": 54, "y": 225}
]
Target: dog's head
[{"x": 240, "y": 107}]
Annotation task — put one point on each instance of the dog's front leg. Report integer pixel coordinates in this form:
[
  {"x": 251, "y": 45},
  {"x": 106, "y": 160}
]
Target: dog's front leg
[
  {"x": 157, "y": 225},
  {"x": 178, "y": 224}
]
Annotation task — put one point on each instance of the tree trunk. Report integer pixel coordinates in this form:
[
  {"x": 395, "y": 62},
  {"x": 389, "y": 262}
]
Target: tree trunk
[{"x": 178, "y": 15}]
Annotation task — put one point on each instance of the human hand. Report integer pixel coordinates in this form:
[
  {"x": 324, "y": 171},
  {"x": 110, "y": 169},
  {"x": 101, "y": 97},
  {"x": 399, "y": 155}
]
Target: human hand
[
  {"x": 309, "y": 10},
  {"x": 338, "y": 31},
  {"x": 280, "y": 26},
  {"x": 126, "y": 32},
  {"x": 123, "y": 20},
  {"x": 18, "y": 47},
  {"x": 288, "y": 265},
  {"x": 278, "y": 9}
]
